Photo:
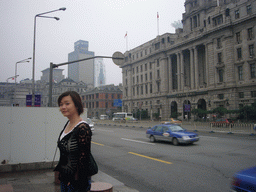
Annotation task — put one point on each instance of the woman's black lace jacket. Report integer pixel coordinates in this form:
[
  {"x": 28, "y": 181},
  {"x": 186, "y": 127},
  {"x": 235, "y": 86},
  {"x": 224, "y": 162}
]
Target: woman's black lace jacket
[{"x": 74, "y": 154}]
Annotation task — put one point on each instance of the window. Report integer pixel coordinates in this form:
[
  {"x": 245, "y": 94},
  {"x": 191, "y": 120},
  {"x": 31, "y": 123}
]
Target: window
[
  {"x": 219, "y": 58},
  {"x": 158, "y": 74},
  {"x": 137, "y": 90},
  {"x": 141, "y": 78},
  {"x": 250, "y": 33},
  {"x": 241, "y": 95},
  {"x": 251, "y": 50},
  {"x": 150, "y": 88},
  {"x": 158, "y": 86},
  {"x": 133, "y": 91},
  {"x": 221, "y": 96},
  {"x": 157, "y": 63},
  {"x": 150, "y": 65},
  {"x": 126, "y": 91},
  {"x": 146, "y": 67},
  {"x": 237, "y": 14},
  {"x": 239, "y": 53},
  {"x": 218, "y": 20},
  {"x": 137, "y": 79},
  {"x": 106, "y": 96},
  {"x": 253, "y": 71},
  {"x": 157, "y": 46},
  {"x": 146, "y": 89},
  {"x": 150, "y": 75},
  {"x": 126, "y": 82},
  {"x": 253, "y": 93},
  {"x": 221, "y": 74},
  {"x": 195, "y": 21},
  {"x": 240, "y": 73},
  {"x": 218, "y": 43},
  {"x": 141, "y": 68},
  {"x": 132, "y": 70},
  {"x": 146, "y": 77},
  {"x": 141, "y": 89},
  {"x": 238, "y": 37},
  {"x": 137, "y": 69},
  {"x": 249, "y": 9}
]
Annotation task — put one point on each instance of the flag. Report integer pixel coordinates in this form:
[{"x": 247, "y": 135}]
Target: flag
[
  {"x": 125, "y": 35},
  {"x": 157, "y": 15},
  {"x": 13, "y": 78}
]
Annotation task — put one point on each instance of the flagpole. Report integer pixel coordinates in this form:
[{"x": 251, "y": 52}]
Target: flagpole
[
  {"x": 157, "y": 24},
  {"x": 126, "y": 36}
]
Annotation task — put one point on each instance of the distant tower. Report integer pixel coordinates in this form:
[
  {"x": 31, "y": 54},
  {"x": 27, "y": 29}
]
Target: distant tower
[
  {"x": 100, "y": 72},
  {"x": 83, "y": 70}
]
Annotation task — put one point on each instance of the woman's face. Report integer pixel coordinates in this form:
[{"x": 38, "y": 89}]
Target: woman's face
[{"x": 67, "y": 107}]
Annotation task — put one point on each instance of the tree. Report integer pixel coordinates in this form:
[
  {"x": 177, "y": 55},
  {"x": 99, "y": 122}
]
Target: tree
[{"x": 221, "y": 111}]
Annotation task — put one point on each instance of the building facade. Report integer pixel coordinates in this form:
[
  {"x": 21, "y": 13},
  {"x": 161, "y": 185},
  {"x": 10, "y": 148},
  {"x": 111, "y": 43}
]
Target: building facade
[
  {"x": 100, "y": 100},
  {"x": 83, "y": 70},
  {"x": 207, "y": 64},
  {"x": 57, "y": 75}
]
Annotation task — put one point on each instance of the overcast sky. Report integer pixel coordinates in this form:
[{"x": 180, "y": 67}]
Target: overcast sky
[{"x": 103, "y": 23}]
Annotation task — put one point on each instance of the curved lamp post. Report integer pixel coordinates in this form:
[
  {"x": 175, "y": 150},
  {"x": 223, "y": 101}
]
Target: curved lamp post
[
  {"x": 22, "y": 61},
  {"x": 34, "y": 45}
]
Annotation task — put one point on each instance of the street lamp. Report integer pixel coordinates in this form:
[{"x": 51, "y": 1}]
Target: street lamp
[
  {"x": 34, "y": 45},
  {"x": 22, "y": 61}
]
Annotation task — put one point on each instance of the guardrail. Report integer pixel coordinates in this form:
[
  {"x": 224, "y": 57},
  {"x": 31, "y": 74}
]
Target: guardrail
[{"x": 241, "y": 128}]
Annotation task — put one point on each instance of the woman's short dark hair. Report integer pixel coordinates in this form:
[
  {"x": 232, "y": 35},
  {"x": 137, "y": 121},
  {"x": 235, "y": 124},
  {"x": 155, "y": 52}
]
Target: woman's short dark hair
[{"x": 75, "y": 98}]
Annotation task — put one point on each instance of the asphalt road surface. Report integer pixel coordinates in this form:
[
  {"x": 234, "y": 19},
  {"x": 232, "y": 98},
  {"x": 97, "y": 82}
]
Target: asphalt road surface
[{"x": 208, "y": 165}]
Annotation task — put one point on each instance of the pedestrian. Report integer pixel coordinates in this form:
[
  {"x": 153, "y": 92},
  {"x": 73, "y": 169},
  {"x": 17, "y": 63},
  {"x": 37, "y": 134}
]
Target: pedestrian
[{"x": 74, "y": 143}]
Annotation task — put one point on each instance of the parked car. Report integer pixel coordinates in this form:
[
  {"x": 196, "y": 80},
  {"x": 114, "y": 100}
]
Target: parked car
[
  {"x": 171, "y": 132},
  {"x": 103, "y": 117},
  {"x": 90, "y": 123},
  {"x": 172, "y": 121},
  {"x": 222, "y": 122},
  {"x": 244, "y": 180}
]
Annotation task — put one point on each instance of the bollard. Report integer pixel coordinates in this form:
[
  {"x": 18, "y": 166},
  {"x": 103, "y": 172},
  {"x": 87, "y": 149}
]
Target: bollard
[{"x": 101, "y": 187}]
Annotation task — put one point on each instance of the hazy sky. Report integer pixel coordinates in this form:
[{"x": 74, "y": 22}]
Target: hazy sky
[{"x": 103, "y": 23}]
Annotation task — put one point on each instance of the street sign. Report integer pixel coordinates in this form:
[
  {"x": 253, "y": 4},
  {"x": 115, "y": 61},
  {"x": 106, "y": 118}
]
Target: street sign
[
  {"x": 29, "y": 100},
  {"x": 118, "y": 58},
  {"x": 187, "y": 108},
  {"x": 37, "y": 100},
  {"x": 118, "y": 103}
]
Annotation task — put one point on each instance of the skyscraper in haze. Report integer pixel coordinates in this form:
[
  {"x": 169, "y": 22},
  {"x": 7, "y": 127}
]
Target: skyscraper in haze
[
  {"x": 83, "y": 70},
  {"x": 100, "y": 72}
]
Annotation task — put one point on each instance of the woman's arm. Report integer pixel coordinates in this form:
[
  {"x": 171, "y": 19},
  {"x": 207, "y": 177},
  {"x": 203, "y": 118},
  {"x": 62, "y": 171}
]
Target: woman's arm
[{"x": 84, "y": 147}]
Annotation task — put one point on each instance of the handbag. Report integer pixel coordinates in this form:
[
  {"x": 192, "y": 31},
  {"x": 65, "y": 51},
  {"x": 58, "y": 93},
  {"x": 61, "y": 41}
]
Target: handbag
[{"x": 92, "y": 167}]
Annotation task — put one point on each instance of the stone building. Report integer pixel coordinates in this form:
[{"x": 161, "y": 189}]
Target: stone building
[
  {"x": 207, "y": 64},
  {"x": 100, "y": 100}
]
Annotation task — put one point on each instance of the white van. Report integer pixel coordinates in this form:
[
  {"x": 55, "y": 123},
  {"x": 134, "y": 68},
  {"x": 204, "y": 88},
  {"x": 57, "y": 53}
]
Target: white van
[{"x": 103, "y": 117}]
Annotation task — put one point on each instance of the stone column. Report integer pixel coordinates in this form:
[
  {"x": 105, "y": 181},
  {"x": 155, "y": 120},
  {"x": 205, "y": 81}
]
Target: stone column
[
  {"x": 192, "y": 68},
  {"x": 196, "y": 69},
  {"x": 178, "y": 71},
  {"x": 182, "y": 74}
]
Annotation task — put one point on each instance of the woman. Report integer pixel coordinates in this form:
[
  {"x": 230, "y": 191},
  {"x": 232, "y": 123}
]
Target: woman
[{"x": 74, "y": 144}]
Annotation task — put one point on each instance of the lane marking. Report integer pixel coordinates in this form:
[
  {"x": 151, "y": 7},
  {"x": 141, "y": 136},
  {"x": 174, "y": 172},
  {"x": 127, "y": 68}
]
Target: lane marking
[
  {"x": 137, "y": 141},
  {"x": 167, "y": 162},
  {"x": 105, "y": 130},
  {"x": 97, "y": 143}
]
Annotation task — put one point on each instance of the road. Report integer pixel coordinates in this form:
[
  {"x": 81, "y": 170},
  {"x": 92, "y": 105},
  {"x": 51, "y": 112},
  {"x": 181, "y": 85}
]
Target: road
[{"x": 208, "y": 165}]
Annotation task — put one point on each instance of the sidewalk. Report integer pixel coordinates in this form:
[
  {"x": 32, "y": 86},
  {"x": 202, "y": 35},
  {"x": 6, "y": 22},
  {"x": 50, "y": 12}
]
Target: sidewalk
[{"x": 43, "y": 181}]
